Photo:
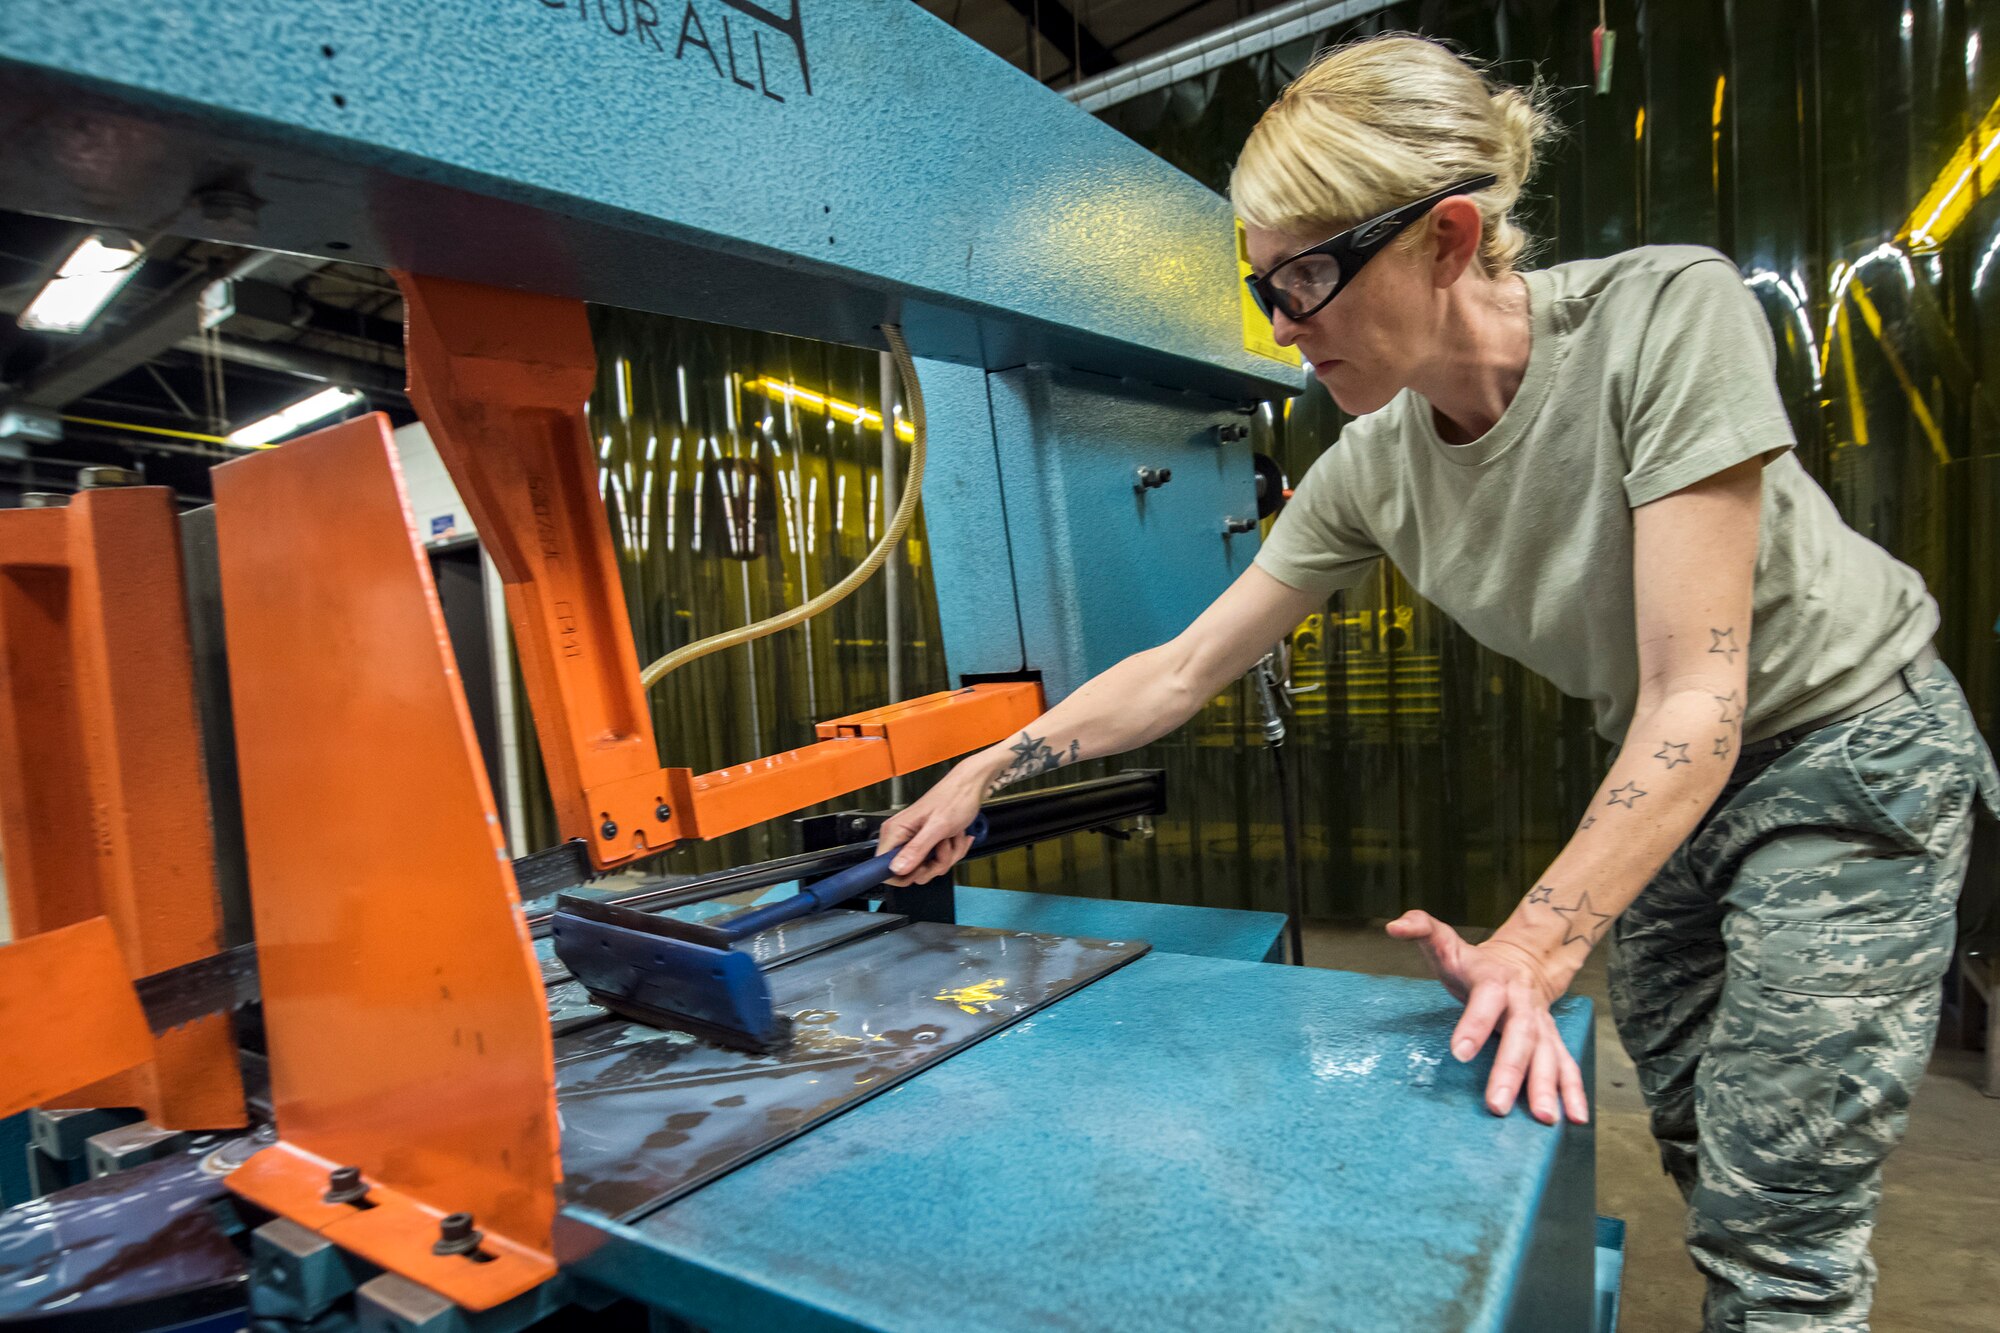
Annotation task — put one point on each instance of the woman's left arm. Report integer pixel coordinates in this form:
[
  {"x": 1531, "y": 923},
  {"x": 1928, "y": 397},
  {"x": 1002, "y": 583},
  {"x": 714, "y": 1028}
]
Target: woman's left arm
[{"x": 1694, "y": 559}]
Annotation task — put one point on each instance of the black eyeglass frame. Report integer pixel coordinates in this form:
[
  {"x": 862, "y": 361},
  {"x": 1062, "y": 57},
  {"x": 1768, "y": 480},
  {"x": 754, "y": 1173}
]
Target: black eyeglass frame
[{"x": 1353, "y": 248}]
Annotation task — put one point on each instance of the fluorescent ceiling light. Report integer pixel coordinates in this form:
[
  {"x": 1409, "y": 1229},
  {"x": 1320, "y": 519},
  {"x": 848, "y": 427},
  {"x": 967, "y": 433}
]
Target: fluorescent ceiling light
[
  {"x": 94, "y": 272},
  {"x": 299, "y": 415}
]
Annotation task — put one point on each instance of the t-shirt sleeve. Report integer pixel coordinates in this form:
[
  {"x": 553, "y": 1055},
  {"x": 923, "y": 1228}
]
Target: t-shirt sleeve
[
  {"x": 1315, "y": 545},
  {"x": 1704, "y": 392}
]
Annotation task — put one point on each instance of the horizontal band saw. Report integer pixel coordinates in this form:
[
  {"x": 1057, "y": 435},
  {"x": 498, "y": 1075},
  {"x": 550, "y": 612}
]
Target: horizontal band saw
[{"x": 403, "y": 1101}]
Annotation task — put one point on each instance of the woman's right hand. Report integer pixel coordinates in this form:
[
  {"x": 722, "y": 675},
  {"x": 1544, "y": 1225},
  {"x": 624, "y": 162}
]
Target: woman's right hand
[{"x": 931, "y": 830}]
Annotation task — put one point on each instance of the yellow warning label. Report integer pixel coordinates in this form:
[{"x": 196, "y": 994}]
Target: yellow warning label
[{"x": 1256, "y": 329}]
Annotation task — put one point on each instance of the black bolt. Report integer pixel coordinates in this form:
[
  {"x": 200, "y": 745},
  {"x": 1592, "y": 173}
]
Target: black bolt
[
  {"x": 1227, "y": 434},
  {"x": 608, "y": 829},
  {"x": 456, "y": 1235},
  {"x": 1151, "y": 478},
  {"x": 344, "y": 1185},
  {"x": 662, "y": 812},
  {"x": 1232, "y": 526}
]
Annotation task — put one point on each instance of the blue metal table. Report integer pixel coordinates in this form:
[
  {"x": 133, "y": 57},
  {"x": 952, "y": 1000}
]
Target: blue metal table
[
  {"x": 1189, "y": 1143},
  {"x": 1212, "y": 932}
]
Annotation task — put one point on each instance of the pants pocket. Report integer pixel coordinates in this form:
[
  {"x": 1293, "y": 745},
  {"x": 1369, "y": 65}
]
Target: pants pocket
[
  {"x": 1816, "y": 1095},
  {"x": 1902, "y": 781},
  {"x": 1855, "y": 958}
]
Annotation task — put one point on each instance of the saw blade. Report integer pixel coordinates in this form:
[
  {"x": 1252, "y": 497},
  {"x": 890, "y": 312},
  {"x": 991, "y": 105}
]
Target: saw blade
[
  {"x": 216, "y": 984},
  {"x": 223, "y": 982}
]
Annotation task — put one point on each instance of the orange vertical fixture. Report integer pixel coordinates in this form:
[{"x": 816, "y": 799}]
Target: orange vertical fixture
[
  {"x": 500, "y": 378},
  {"x": 103, "y": 798},
  {"x": 408, "y": 1032}
]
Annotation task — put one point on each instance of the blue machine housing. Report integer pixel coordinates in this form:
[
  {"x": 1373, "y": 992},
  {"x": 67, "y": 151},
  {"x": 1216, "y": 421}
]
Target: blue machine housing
[{"x": 789, "y": 171}]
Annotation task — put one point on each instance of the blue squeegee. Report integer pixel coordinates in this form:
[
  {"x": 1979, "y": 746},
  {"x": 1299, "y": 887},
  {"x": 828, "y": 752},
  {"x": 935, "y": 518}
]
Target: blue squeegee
[{"x": 689, "y": 975}]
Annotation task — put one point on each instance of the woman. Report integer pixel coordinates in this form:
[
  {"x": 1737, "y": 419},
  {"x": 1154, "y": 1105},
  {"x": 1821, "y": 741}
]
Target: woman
[{"x": 1589, "y": 468}]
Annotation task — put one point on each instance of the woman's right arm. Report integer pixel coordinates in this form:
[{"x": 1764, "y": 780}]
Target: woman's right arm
[{"x": 1140, "y": 700}]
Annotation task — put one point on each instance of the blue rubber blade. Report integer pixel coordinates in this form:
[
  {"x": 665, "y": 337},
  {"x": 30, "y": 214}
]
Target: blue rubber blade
[{"x": 712, "y": 992}]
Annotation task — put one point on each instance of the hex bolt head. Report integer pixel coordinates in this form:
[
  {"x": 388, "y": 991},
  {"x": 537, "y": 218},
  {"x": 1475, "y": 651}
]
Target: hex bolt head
[
  {"x": 1151, "y": 478},
  {"x": 1233, "y": 526},
  {"x": 662, "y": 812},
  {"x": 608, "y": 829},
  {"x": 456, "y": 1235},
  {"x": 1230, "y": 434},
  {"x": 344, "y": 1185}
]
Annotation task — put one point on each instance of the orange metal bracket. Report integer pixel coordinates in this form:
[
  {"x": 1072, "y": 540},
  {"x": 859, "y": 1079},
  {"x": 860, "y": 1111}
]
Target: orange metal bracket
[
  {"x": 69, "y": 1012},
  {"x": 103, "y": 800},
  {"x": 403, "y": 1005},
  {"x": 500, "y": 378},
  {"x": 861, "y": 750}
]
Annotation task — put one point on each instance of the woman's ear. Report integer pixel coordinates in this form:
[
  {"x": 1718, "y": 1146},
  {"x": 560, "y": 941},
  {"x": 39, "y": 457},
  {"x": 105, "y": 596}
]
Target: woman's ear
[{"x": 1455, "y": 232}]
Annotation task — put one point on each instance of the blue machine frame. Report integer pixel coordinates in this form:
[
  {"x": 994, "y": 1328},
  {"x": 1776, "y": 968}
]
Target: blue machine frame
[
  {"x": 1006, "y": 231},
  {"x": 1192, "y": 1142}
]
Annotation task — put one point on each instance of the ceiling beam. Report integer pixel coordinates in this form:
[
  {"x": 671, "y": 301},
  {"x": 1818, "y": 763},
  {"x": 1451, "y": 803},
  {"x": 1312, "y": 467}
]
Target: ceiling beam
[{"x": 94, "y": 363}]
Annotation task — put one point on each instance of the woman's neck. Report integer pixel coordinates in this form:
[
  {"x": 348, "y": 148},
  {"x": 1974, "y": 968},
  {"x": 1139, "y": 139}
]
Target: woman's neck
[{"x": 1487, "y": 336}]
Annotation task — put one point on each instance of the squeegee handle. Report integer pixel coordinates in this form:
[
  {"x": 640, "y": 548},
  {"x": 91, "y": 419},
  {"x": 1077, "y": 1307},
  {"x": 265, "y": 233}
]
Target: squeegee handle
[{"x": 835, "y": 889}]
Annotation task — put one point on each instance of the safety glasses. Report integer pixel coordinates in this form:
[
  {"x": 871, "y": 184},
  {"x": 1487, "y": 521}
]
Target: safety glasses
[{"x": 1302, "y": 285}]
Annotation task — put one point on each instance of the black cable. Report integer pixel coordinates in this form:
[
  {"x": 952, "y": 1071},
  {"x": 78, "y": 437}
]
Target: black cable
[{"x": 1295, "y": 895}]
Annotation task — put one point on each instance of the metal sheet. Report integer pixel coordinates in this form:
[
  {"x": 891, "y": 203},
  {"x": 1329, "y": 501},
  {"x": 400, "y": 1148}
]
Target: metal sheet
[
  {"x": 136, "y": 1249},
  {"x": 648, "y": 1116}
]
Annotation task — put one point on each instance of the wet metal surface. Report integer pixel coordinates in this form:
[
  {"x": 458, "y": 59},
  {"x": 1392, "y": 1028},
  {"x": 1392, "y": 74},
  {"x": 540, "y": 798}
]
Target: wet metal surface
[
  {"x": 140, "y": 1240},
  {"x": 648, "y": 1115}
]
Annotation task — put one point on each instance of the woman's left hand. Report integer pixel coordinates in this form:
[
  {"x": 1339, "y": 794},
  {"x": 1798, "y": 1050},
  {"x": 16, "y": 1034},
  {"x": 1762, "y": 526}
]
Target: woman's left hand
[{"x": 1505, "y": 986}]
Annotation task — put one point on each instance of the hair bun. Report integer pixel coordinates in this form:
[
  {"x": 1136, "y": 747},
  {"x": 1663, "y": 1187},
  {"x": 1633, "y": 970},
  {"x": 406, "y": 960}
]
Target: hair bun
[{"x": 1523, "y": 126}]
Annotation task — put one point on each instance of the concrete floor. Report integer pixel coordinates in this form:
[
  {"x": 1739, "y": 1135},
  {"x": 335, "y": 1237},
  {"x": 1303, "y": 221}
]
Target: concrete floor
[{"x": 1938, "y": 1241}]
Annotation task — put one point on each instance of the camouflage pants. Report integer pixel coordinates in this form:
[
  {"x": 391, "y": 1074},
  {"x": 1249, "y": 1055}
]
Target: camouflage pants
[{"x": 1777, "y": 986}]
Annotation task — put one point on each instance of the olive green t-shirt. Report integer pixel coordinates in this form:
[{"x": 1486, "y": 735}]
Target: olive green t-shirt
[{"x": 1647, "y": 372}]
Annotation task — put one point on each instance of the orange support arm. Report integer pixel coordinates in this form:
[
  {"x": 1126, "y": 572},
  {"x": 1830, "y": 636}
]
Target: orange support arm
[{"x": 500, "y": 378}]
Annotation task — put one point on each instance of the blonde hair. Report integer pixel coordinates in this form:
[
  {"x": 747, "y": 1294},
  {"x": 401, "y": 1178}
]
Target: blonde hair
[{"x": 1383, "y": 122}]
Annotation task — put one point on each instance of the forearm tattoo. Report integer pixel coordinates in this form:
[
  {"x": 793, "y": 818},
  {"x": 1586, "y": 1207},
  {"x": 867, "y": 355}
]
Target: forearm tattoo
[
  {"x": 1582, "y": 923},
  {"x": 1673, "y": 754},
  {"x": 1032, "y": 756},
  {"x": 1731, "y": 705},
  {"x": 1731, "y": 719},
  {"x": 1628, "y": 795},
  {"x": 1725, "y": 643}
]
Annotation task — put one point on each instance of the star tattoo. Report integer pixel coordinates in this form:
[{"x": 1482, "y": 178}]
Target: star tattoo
[
  {"x": 1581, "y": 921},
  {"x": 1588, "y": 820},
  {"x": 1542, "y": 894},
  {"x": 1725, "y": 643},
  {"x": 1722, "y": 747},
  {"x": 1627, "y": 795},
  {"x": 1731, "y": 705},
  {"x": 1674, "y": 755}
]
